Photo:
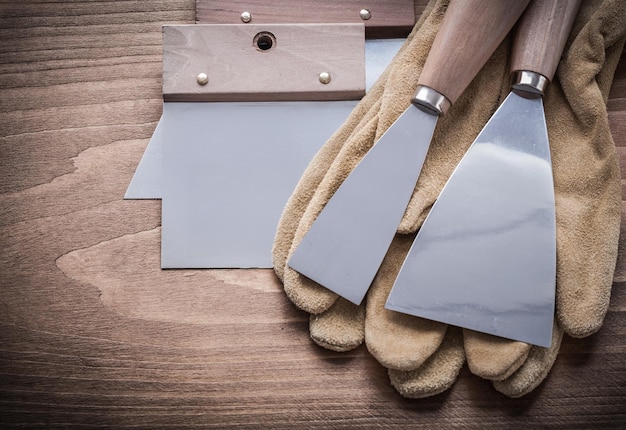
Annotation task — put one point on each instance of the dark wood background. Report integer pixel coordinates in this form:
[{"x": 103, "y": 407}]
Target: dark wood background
[{"x": 93, "y": 334}]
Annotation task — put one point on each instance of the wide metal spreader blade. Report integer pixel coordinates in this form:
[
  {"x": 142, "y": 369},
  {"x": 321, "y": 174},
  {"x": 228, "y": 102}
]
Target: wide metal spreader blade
[
  {"x": 485, "y": 258},
  {"x": 229, "y": 168},
  {"x": 366, "y": 209}
]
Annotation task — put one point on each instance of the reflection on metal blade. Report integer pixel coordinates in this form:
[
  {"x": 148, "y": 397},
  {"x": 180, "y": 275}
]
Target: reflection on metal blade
[
  {"x": 485, "y": 258},
  {"x": 347, "y": 242}
]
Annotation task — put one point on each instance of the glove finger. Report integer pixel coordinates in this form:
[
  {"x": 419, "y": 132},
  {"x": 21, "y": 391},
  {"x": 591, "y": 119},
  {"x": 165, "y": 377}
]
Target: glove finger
[
  {"x": 340, "y": 328},
  {"x": 437, "y": 374},
  {"x": 493, "y": 357},
  {"x": 396, "y": 340},
  {"x": 534, "y": 370},
  {"x": 586, "y": 170}
]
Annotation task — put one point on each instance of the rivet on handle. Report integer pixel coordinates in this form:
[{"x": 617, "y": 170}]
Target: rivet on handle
[
  {"x": 202, "y": 78},
  {"x": 246, "y": 17},
  {"x": 324, "y": 78}
]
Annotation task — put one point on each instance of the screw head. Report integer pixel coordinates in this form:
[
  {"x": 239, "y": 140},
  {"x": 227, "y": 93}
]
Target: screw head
[
  {"x": 365, "y": 14},
  {"x": 324, "y": 78},
  {"x": 203, "y": 78},
  {"x": 246, "y": 17}
]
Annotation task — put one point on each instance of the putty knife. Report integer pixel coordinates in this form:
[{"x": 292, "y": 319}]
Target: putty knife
[
  {"x": 485, "y": 258},
  {"x": 237, "y": 142},
  {"x": 210, "y": 161},
  {"x": 347, "y": 242}
]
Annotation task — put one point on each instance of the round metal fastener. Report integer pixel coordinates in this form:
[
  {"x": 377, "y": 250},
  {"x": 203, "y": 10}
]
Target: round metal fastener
[
  {"x": 246, "y": 17},
  {"x": 365, "y": 14},
  {"x": 325, "y": 77},
  {"x": 203, "y": 78}
]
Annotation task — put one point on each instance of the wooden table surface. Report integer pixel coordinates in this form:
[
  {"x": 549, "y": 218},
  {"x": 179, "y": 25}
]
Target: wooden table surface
[{"x": 93, "y": 334}]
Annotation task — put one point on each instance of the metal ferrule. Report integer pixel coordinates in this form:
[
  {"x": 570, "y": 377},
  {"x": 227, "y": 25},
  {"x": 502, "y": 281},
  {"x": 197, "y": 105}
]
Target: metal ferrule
[
  {"x": 433, "y": 101},
  {"x": 524, "y": 80}
]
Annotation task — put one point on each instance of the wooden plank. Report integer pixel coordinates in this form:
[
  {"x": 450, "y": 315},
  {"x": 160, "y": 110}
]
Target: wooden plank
[
  {"x": 261, "y": 62},
  {"x": 94, "y": 335},
  {"x": 389, "y": 18}
]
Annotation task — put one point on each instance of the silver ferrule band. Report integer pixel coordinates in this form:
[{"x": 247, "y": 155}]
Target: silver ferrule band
[
  {"x": 531, "y": 82},
  {"x": 432, "y": 100}
]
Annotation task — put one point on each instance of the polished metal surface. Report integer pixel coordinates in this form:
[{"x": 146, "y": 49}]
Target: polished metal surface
[
  {"x": 228, "y": 171},
  {"x": 525, "y": 80},
  {"x": 350, "y": 237},
  {"x": 146, "y": 182},
  {"x": 485, "y": 258},
  {"x": 432, "y": 100}
]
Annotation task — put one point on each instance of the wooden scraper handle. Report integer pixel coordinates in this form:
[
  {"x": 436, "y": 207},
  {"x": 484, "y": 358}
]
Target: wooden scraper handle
[
  {"x": 539, "y": 41},
  {"x": 469, "y": 34}
]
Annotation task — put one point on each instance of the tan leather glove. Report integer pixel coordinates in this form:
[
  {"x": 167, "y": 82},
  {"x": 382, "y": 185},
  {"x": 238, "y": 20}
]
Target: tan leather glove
[
  {"x": 588, "y": 199},
  {"x": 587, "y": 185},
  {"x": 398, "y": 341},
  {"x": 337, "y": 324},
  {"x": 424, "y": 357}
]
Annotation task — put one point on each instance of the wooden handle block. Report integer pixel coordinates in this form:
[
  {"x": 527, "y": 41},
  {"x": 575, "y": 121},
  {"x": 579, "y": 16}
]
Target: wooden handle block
[
  {"x": 541, "y": 35},
  {"x": 271, "y": 62},
  {"x": 388, "y": 18},
  {"x": 470, "y": 32}
]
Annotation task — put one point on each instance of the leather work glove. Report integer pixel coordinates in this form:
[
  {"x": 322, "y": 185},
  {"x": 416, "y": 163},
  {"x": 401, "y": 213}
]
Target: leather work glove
[
  {"x": 424, "y": 357},
  {"x": 335, "y": 323},
  {"x": 587, "y": 187}
]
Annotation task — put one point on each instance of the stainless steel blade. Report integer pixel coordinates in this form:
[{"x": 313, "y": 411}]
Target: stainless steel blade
[
  {"x": 228, "y": 171},
  {"x": 485, "y": 258},
  {"x": 345, "y": 246},
  {"x": 146, "y": 182}
]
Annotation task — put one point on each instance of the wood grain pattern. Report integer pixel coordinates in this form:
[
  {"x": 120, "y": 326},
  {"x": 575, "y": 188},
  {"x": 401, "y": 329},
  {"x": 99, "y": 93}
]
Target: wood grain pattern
[
  {"x": 94, "y": 335},
  {"x": 389, "y": 18},
  {"x": 541, "y": 35},
  {"x": 241, "y": 68}
]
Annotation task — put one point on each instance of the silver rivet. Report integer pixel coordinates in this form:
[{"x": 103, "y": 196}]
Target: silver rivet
[
  {"x": 203, "y": 78},
  {"x": 365, "y": 14},
  {"x": 246, "y": 17},
  {"x": 325, "y": 77}
]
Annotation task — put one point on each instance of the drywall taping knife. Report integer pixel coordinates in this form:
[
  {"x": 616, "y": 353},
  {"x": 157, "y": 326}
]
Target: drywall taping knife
[
  {"x": 485, "y": 258},
  {"x": 207, "y": 183},
  {"x": 347, "y": 242}
]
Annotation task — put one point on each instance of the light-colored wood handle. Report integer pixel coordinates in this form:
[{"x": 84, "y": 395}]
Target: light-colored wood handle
[
  {"x": 541, "y": 35},
  {"x": 263, "y": 62},
  {"x": 470, "y": 32}
]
